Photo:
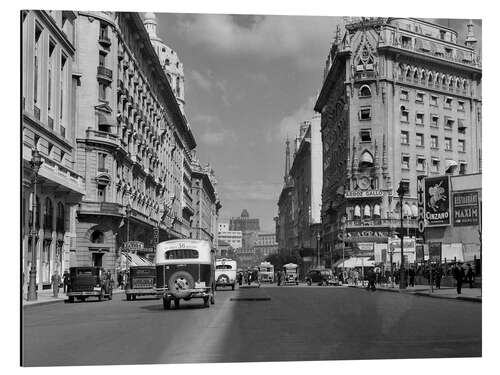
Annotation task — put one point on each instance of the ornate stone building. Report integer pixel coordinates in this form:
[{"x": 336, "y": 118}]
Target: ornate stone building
[
  {"x": 48, "y": 125},
  {"x": 133, "y": 140},
  {"x": 400, "y": 98}
]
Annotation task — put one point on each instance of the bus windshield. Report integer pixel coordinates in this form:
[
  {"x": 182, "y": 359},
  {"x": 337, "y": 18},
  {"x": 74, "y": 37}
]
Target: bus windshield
[{"x": 181, "y": 254}]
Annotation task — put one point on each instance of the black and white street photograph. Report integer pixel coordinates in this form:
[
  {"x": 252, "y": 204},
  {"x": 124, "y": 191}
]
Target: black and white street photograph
[{"x": 222, "y": 186}]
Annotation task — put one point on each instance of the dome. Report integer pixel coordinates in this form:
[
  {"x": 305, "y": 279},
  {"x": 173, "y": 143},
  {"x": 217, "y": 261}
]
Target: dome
[
  {"x": 245, "y": 213},
  {"x": 150, "y": 16}
]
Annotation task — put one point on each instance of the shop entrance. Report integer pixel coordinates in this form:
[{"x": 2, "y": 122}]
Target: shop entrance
[{"x": 97, "y": 259}]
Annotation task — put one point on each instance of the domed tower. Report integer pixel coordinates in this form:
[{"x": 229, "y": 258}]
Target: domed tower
[{"x": 169, "y": 60}]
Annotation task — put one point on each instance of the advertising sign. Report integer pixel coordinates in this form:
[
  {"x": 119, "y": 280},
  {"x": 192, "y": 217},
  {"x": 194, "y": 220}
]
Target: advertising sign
[
  {"x": 466, "y": 208},
  {"x": 421, "y": 206},
  {"x": 363, "y": 193},
  {"x": 437, "y": 201},
  {"x": 133, "y": 245},
  {"x": 435, "y": 251},
  {"x": 419, "y": 249}
]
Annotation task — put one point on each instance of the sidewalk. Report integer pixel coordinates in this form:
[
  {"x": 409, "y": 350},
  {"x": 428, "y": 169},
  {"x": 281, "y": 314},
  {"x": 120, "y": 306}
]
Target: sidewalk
[
  {"x": 468, "y": 294},
  {"x": 45, "y": 297}
]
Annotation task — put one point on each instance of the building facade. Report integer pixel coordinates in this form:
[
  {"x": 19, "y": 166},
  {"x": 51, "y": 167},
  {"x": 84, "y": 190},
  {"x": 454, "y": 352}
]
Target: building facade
[
  {"x": 400, "y": 98},
  {"x": 266, "y": 245},
  {"x": 233, "y": 237},
  {"x": 248, "y": 226},
  {"x": 206, "y": 203},
  {"x": 48, "y": 101},
  {"x": 133, "y": 141}
]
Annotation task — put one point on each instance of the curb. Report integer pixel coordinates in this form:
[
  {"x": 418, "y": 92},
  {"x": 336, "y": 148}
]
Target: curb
[
  {"x": 422, "y": 294},
  {"x": 119, "y": 291}
]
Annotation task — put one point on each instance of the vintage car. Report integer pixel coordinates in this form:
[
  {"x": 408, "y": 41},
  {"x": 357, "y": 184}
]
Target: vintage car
[
  {"x": 290, "y": 274},
  {"x": 185, "y": 269},
  {"x": 225, "y": 273},
  {"x": 266, "y": 272},
  {"x": 321, "y": 277},
  {"x": 87, "y": 282},
  {"x": 141, "y": 282}
]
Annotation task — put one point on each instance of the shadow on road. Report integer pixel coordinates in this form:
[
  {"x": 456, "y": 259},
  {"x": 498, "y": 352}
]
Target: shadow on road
[{"x": 159, "y": 307}]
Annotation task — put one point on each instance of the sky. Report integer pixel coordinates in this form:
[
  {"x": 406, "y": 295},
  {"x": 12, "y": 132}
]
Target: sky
[{"x": 249, "y": 82}]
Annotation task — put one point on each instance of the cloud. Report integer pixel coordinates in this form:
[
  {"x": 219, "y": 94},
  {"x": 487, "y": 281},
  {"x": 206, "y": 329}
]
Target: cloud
[
  {"x": 269, "y": 37},
  {"x": 200, "y": 80},
  {"x": 208, "y": 82},
  {"x": 250, "y": 190},
  {"x": 289, "y": 125},
  {"x": 210, "y": 131}
]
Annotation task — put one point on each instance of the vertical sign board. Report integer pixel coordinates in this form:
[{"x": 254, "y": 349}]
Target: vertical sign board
[
  {"x": 466, "y": 208},
  {"x": 421, "y": 206},
  {"x": 437, "y": 201},
  {"x": 435, "y": 252}
]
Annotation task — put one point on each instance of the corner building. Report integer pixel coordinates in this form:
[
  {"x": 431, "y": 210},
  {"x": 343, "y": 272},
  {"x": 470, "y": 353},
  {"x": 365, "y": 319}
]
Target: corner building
[
  {"x": 400, "y": 98},
  {"x": 132, "y": 140}
]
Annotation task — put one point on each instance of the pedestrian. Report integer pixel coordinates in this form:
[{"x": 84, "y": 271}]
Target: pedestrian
[
  {"x": 411, "y": 274},
  {"x": 371, "y": 276},
  {"x": 459, "y": 275},
  {"x": 469, "y": 275},
  {"x": 120, "y": 279},
  {"x": 56, "y": 281},
  {"x": 65, "y": 281},
  {"x": 438, "y": 275},
  {"x": 356, "y": 277}
]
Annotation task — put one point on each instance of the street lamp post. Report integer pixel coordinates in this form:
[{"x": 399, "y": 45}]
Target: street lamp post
[
  {"x": 36, "y": 162},
  {"x": 128, "y": 212},
  {"x": 342, "y": 228},
  {"x": 401, "y": 192},
  {"x": 318, "y": 237}
]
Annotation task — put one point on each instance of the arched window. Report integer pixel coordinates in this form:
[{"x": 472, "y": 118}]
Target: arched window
[
  {"x": 48, "y": 214},
  {"x": 357, "y": 212},
  {"x": 366, "y": 160},
  {"x": 60, "y": 217},
  {"x": 367, "y": 211},
  {"x": 97, "y": 237},
  {"x": 376, "y": 211},
  {"x": 414, "y": 210},
  {"x": 365, "y": 91},
  {"x": 178, "y": 86},
  {"x": 429, "y": 78}
]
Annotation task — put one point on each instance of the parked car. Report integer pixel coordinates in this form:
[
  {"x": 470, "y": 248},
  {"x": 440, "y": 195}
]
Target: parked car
[
  {"x": 88, "y": 282},
  {"x": 290, "y": 274},
  {"x": 185, "y": 269},
  {"x": 321, "y": 277}
]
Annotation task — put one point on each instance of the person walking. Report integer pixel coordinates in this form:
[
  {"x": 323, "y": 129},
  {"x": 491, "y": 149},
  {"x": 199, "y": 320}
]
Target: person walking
[
  {"x": 65, "y": 281},
  {"x": 56, "y": 281},
  {"x": 438, "y": 275},
  {"x": 120, "y": 279},
  {"x": 371, "y": 277},
  {"x": 411, "y": 276},
  {"x": 459, "y": 275},
  {"x": 469, "y": 276}
]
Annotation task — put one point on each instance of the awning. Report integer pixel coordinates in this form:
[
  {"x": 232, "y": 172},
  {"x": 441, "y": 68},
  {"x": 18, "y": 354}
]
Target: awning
[
  {"x": 133, "y": 260},
  {"x": 376, "y": 210},
  {"x": 414, "y": 210},
  {"x": 407, "y": 210},
  {"x": 367, "y": 212},
  {"x": 357, "y": 211},
  {"x": 354, "y": 262},
  {"x": 450, "y": 163}
]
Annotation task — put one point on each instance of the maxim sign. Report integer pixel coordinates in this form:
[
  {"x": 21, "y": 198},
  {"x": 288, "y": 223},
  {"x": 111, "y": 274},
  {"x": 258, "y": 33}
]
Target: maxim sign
[{"x": 437, "y": 201}]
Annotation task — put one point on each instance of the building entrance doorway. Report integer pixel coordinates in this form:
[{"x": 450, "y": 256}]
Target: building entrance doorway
[{"x": 97, "y": 259}]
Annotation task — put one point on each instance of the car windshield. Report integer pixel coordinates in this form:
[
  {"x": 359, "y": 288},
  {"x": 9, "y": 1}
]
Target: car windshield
[
  {"x": 224, "y": 267},
  {"x": 86, "y": 272}
]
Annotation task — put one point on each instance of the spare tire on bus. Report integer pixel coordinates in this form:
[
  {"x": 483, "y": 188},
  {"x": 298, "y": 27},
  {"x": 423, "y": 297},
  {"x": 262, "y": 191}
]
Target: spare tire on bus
[
  {"x": 179, "y": 282},
  {"x": 223, "y": 279}
]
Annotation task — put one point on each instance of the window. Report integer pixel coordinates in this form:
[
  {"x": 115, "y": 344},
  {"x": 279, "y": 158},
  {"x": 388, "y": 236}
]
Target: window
[
  {"x": 404, "y": 114},
  {"x": 404, "y": 137},
  {"x": 419, "y": 119},
  {"x": 101, "y": 193},
  {"x": 406, "y": 187},
  {"x": 461, "y": 145},
  {"x": 449, "y": 123},
  {"x": 63, "y": 87},
  {"x": 434, "y": 100},
  {"x": 102, "y": 58},
  {"x": 48, "y": 215},
  {"x": 447, "y": 144},
  {"x": 50, "y": 76},
  {"x": 103, "y": 31},
  {"x": 405, "y": 162},
  {"x": 36, "y": 67},
  {"x": 420, "y": 97},
  {"x": 447, "y": 103},
  {"x": 421, "y": 164},
  {"x": 434, "y": 141},
  {"x": 403, "y": 95},
  {"x": 97, "y": 237},
  {"x": 420, "y": 139},
  {"x": 101, "y": 162},
  {"x": 365, "y": 135},
  {"x": 60, "y": 217},
  {"x": 461, "y": 106},
  {"x": 365, "y": 114},
  {"x": 435, "y": 166},
  {"x": 102, "y": 91},
  {"x": 434, "y": 120},
  {"x": 462, "y": 168},
  {"x": 365, "y": 91},
  {"x": 461, "y": 126}
]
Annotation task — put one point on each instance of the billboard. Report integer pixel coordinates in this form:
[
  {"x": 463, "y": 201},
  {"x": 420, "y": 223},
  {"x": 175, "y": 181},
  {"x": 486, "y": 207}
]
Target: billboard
[
  {"x": 435, "y": 251},
  {"x": 437, "y": 201},
  {"x": 466, "y": 208}
]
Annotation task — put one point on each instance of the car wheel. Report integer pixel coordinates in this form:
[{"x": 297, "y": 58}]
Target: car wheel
[
  {"x": 71, "y": 299},
  {"x": 177, "y": 303},
  {"x": 110, "y": 295},
  {"x": 134, "y": 297},
  {"x": 232, "y": 287},
  {"x": 205, "y": 302},
  {"x": 128, "y": 297},
  {"x": 309, "y": 282}
]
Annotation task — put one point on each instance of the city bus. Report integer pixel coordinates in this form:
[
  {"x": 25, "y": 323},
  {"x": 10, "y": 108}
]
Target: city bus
[{"x": 225, "y": 273}]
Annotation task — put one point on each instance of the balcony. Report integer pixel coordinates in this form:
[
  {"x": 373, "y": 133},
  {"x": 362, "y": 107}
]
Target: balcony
[
  {"x": 103, "y": 208},
  {"x": 362, "y": 223},
  {"x": 102, "y": 137},
  {"x": 104, "y": 40},
  {"x": 104, "y": 73}
]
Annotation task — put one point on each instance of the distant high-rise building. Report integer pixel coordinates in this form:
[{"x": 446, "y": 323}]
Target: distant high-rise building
[{"x": 248, "y": 226}]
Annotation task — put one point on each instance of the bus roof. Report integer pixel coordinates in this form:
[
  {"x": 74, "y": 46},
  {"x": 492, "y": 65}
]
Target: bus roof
[{"x": 202, "y": 247}]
